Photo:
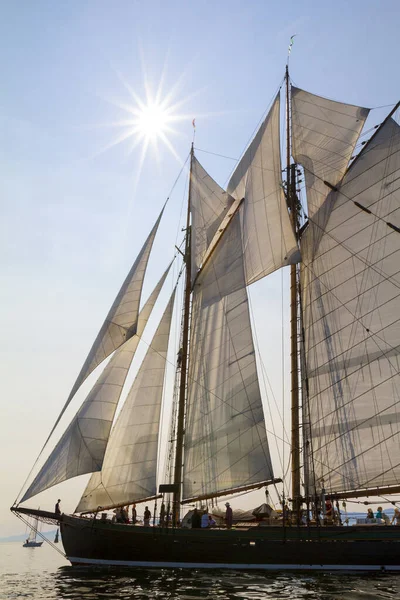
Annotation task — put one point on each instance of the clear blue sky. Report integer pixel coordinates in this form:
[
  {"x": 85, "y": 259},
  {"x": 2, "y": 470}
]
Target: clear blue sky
[{"x": 74, "y": 217}]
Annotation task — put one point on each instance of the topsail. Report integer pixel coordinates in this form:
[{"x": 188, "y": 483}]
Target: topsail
[
  {"x": 209, "y": 204},
  {"x": 268, "y": 239},
  {"x": 324, "y": 134}
]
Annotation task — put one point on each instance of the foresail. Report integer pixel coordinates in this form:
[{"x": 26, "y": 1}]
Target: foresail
[
  {"x": 351, "y": 308},
  {"x": 324, "y": 134},
  {"x": 208, "y": 204},
  {"x": 130, "y": 463},
  {"x": 121, "y": 322},
  {"x": 268, "y": 239},
  {"x": 82, "y": 447},
  {"x": 225, "y": 437}
]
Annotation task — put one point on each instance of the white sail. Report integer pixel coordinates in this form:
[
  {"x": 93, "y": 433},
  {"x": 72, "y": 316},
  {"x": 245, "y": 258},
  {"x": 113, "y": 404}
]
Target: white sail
[
  {"x": 208, "y": 204},
  {"x": 82, "y": 447},
  {"x": 33, "y": 530},
  {"x": 121, "y": 322},
  {"x": 225, "y": 437},
  {"x": 324, "y": 134},
  {"x": 268, "y": 239},
  {"x": 351, "y": 302},
  {"x": 130, "y": 463}
]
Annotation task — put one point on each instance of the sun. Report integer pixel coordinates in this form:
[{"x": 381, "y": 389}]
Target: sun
[
  {"x": 153, "y": 117},
  {"x": 152, "y": 121}
]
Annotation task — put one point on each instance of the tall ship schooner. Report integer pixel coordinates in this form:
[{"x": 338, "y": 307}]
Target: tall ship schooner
[{"x": 344, "y": 262}]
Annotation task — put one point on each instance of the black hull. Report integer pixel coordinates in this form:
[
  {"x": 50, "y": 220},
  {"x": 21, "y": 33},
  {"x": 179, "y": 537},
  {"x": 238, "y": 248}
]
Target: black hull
[{"x": 102, "y": 543}]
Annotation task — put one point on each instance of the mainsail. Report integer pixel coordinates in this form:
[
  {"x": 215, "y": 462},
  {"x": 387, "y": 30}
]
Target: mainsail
[
  {"x": 268, "y": 239},
  {"x": 82, "y": 447},
  {"x": 225, "y": 437},
  {"x": 351, "y": 308},
  {"x": 324, "y": 134},
  {"x": 129, "y": 469}
]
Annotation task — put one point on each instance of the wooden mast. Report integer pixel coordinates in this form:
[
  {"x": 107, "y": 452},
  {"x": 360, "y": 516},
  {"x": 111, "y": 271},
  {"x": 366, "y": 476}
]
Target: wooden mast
[
  {"x": 295, "y": 424},
  {"x": 184, "y": 364}
]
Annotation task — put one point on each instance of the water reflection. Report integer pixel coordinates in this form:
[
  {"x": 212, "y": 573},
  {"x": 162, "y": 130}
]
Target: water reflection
[
  {"x": 42, "y": 574},
  {"x": 85, "y": 583}
]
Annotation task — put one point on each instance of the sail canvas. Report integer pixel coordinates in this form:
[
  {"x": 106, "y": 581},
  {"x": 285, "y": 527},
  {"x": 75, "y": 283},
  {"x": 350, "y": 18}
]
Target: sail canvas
[{"x": 351, "y": 300}]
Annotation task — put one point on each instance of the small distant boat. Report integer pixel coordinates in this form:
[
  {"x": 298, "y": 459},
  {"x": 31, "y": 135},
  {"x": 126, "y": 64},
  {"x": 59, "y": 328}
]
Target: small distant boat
[{"x": 31, "y": 542}]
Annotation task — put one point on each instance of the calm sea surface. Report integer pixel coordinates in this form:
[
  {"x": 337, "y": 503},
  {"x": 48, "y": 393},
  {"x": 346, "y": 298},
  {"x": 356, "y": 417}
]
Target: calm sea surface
[{"x": 42, "y": 573}]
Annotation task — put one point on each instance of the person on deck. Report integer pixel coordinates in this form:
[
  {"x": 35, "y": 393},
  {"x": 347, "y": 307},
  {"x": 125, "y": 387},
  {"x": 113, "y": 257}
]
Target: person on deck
[
  {"x": 196, "y": 519},
  {"x": 57, "y": 509},
  {"x": 379, "y": 513},
  {"x": 386, "y": 518},
  {"x": 396, "y": 517},
  {"x": 146, "y": 517},
  {"x": 162, "y": 515},
  {"x": 118, "y": 515},
  {"x": 228, "y": 516},
  {"x": 134, "y": 514},
  {"x": 328, "y": 510},
  {"x": 370, "y": 516},
  {"x": 124, "y": 515},
  {"x": 211, "y": 521},
  {"x": 204, "y": 521},
  {"x": 286, "y": 515}
]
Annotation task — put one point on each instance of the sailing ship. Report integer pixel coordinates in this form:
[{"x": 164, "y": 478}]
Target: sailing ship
[
  {"x": 343, "y": 252},
  {"x": 31, "y": 541}
]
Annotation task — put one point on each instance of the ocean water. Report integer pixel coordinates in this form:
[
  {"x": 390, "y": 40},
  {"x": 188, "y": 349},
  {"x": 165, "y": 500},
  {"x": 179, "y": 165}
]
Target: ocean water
[{"x": 42, "y": 573}]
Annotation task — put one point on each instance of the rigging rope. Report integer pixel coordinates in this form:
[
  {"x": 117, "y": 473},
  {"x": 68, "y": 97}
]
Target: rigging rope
[{"x": 215, "y": 154}]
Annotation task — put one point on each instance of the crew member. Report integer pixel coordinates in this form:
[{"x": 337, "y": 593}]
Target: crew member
[{"x": 228, "y": 516}]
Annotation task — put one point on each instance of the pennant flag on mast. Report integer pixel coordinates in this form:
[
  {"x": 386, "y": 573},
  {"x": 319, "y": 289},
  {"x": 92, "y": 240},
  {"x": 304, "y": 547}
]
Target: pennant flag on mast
[{"x": 291, "y": 43}]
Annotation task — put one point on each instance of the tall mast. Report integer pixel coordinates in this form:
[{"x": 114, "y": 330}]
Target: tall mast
[
  {"x": 295, "y": 425},
  {"x": 184, "y": 364}
]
